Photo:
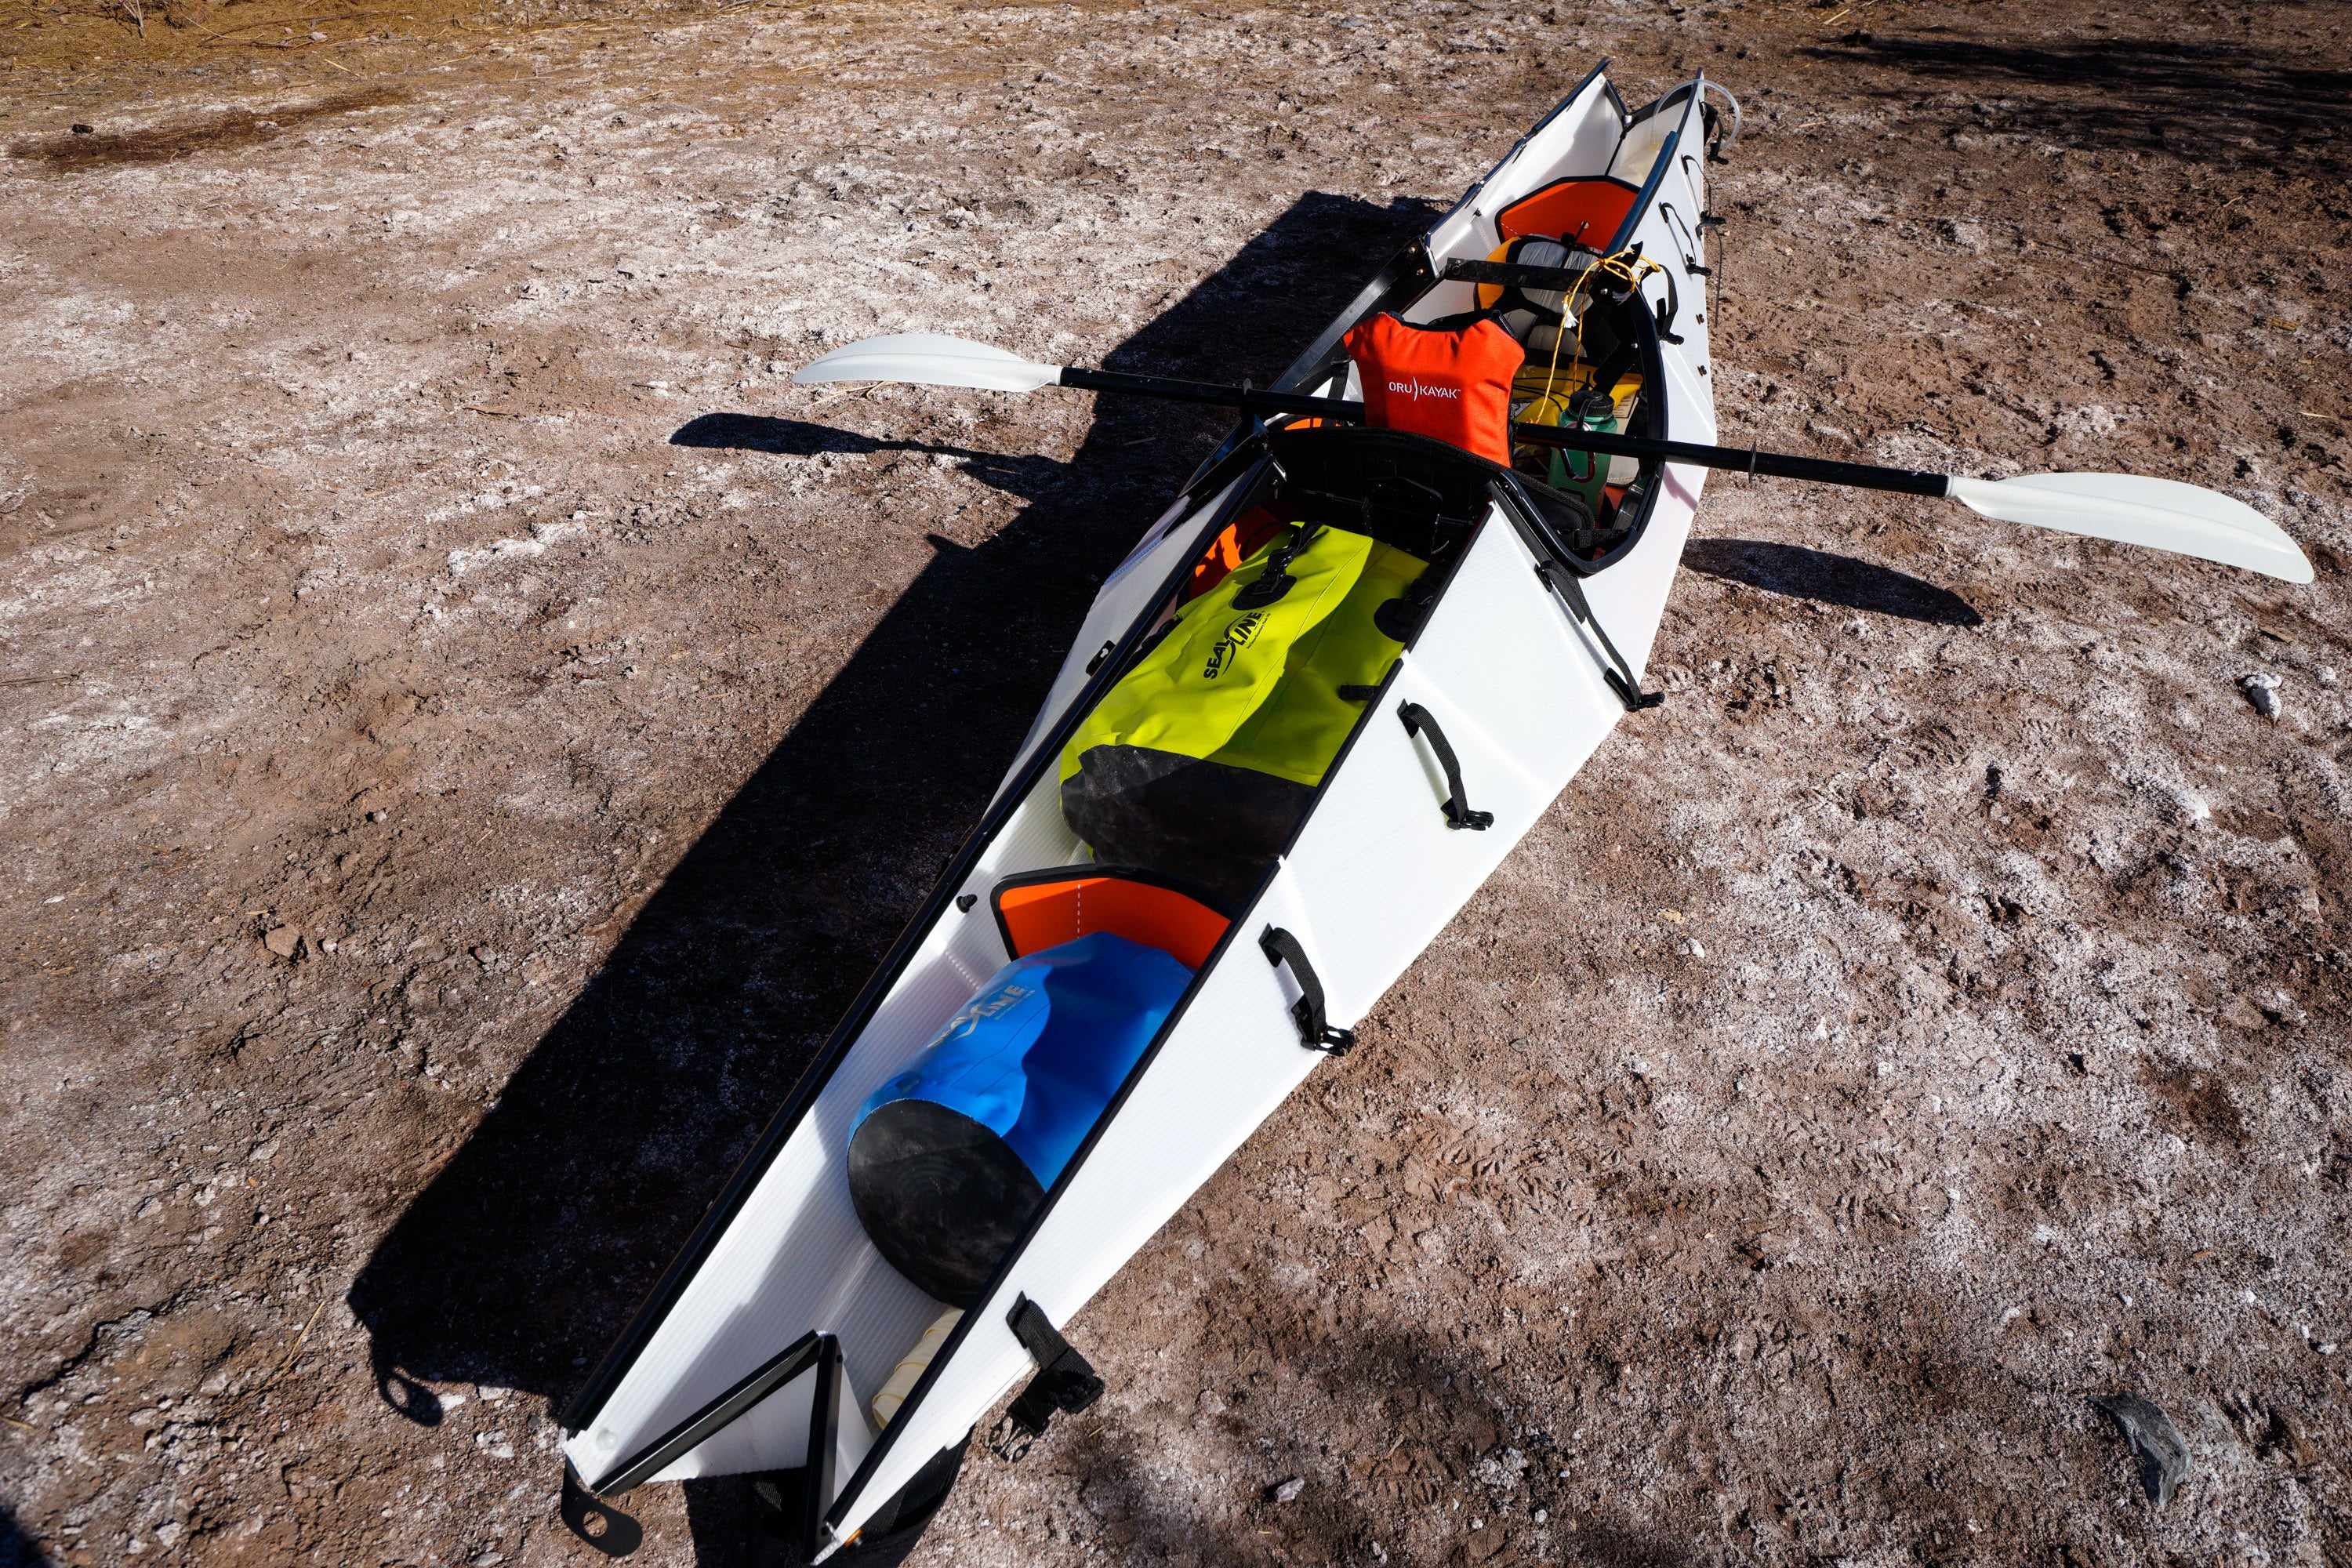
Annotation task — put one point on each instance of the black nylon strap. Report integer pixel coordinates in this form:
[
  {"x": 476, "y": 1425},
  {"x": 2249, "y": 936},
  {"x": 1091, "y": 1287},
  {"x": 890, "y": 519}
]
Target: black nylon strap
[
  {"x": 1064, "y": 1381},
  {"x": 1520, "y": 274},
  {"x": 1556, "y": 574},
  {"x": 1460, "y": 322},
  {"x": 1274, "y": 579},
  {"x": 1315, "y": 1030},
  {"x": 1669, "y": 308},
  {"x": 1418, "y": 722}
]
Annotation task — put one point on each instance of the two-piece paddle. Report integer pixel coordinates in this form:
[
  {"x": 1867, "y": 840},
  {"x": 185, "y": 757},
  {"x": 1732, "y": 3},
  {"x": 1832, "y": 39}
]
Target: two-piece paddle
[{"x": 2129, "y": 509}]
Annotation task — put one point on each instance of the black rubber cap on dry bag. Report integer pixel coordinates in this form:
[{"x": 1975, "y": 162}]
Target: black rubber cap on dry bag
[{"x": 942, "y": 1197}]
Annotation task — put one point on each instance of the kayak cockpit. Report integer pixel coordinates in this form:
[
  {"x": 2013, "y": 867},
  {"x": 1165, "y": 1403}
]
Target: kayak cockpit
[
  {"x": 1568, "y": 243},
  {"x": 1602, "y": 371}
]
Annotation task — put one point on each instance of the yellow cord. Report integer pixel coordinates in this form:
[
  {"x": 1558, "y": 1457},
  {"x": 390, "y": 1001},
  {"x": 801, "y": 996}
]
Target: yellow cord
[
  {"x": 1628, "y": 267},
  {"x": 1621, "y": 265}
]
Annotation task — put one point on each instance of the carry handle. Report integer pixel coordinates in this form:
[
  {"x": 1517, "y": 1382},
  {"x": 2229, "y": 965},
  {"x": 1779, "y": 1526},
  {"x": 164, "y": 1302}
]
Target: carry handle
[
  {"x": 1417, "y": 721},
  {"x": 1315, "y": 1030},
  {"x": 1689, "y": 242}
]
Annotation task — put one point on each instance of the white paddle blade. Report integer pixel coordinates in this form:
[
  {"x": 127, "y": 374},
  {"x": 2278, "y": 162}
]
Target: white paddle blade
[
  {"x": 2162, "y": 514},
  {"x": 929, "y": 360}
]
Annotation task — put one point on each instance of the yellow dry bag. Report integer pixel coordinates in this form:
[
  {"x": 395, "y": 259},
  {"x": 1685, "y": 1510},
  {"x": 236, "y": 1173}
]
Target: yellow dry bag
[{"x": 1202, "y": 757}]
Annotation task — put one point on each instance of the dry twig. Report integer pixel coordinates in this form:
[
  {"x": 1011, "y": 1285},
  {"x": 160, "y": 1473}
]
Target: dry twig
[{"x": 297, "y": 1349}]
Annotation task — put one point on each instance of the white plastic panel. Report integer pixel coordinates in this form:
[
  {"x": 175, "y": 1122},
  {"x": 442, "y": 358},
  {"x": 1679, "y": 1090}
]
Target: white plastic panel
[
  {"x": 853, "y": 1433},
  {"x": 1580, "y": 142},
  {"x": 1639, "y": 152},
  {"x": 795, "y": 1257},
  {"x": 1444, "y": 298},
  {"x": 770, "y": 1436},
  {"x": 1629, "y": 598},
  {"x": 1521, "y": 700},
  {"x": 1579, "y": 139}
]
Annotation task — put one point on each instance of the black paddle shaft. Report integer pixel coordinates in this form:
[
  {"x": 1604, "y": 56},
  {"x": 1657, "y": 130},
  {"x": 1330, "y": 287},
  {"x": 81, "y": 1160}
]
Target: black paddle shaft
[{"x": 1770, "y": 465}]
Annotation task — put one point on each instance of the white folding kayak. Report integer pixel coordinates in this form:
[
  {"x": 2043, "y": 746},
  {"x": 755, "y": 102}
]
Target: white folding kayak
[{"x": 762, "y": 1347}]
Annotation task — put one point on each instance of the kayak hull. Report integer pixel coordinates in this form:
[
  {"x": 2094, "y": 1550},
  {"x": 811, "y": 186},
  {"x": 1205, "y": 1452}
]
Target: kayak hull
[{"x": 754, "y": 1349}]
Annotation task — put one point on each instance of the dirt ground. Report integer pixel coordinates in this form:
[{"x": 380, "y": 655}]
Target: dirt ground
[{"x": 468, "y": 727}]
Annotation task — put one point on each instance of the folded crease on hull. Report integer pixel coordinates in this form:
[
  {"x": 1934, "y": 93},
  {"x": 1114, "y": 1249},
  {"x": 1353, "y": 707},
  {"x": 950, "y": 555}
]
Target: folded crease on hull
[{"x": 759, "y": 1348}]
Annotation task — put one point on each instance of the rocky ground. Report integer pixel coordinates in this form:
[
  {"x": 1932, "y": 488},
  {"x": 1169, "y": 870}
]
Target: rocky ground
[{"x": 470, "y": 727}]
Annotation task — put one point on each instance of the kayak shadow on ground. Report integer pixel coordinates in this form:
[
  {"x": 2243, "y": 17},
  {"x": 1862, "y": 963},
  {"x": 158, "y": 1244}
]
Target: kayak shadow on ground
[
  {"x": 1023, "y": 475},
  {"x": 1828, "y": 579},
  {"x": 18, "y": 1550},
  {"x": 531, "y": 1249}
]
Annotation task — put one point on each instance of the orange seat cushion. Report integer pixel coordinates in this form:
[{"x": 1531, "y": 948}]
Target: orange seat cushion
[
  {"x": 1450, "y": 381},
  {"x": 1045, "y": 908},
  {"x": 1579, "y": 212}
]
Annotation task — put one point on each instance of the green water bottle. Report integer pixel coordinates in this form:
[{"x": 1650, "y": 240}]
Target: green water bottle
[{"x": 1583, "y": 474}]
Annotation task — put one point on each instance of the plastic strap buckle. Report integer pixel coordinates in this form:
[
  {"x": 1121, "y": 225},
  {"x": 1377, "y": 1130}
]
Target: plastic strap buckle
[
  {"x": 1315, "y": 1030},
  {"x": 1064, "y": 1381}
]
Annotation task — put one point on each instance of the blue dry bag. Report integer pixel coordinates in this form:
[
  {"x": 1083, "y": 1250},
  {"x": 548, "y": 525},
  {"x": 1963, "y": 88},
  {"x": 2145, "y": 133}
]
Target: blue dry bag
[{"x": 948, "y": 1159}]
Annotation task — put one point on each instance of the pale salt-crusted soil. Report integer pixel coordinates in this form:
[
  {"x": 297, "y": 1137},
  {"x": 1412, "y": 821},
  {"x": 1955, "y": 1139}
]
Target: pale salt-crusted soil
[{"x": 1931, "y": 1018}]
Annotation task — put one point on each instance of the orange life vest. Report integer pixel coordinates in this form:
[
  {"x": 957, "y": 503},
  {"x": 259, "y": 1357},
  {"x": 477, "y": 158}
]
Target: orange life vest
[{"x": 1453, "y": 383}]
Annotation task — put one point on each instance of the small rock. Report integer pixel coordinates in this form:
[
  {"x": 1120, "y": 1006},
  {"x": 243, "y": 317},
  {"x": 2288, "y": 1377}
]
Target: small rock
[
  {"x": 2281, "y": 1008},
  {"x": 2262, "y": 691},
  {"x": 2157, "y": 1445},
  {"x": 1694, "y": 948},
  {"x": 81, "y": 130},
  {"x": 2327, "y": 676},
  {"x": 1501, "y": 1471},
  {"x": 282, "y": 941},
  {"x": 1288, "y": 1490}
]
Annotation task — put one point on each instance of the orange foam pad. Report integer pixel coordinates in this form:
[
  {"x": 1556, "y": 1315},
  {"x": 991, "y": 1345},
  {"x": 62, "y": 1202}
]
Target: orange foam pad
[
  {"x": 1240, "y": 540},
  {"x": 1046, "y": 914},
  {"x": 1580, "y": 212}
]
